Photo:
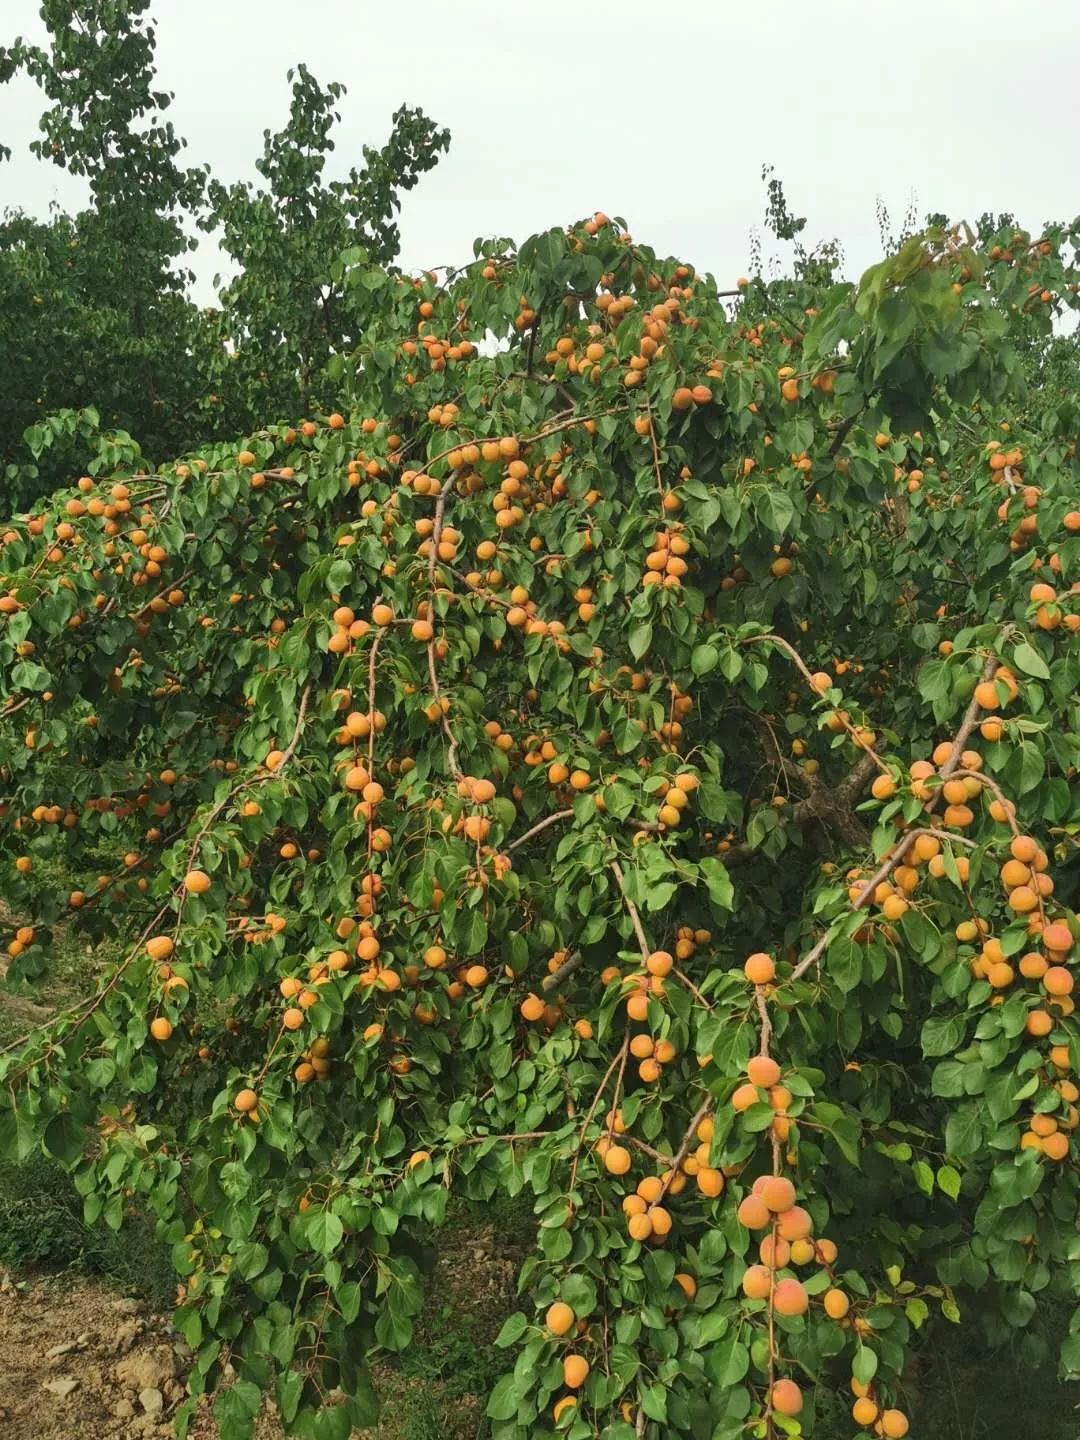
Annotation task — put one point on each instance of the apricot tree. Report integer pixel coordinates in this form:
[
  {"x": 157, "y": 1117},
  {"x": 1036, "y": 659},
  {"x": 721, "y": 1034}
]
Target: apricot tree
[{"x": 624, "y": 758}]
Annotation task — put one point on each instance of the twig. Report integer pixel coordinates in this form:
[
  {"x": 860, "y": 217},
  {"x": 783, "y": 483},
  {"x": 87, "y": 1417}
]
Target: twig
[
  {"x": 622, "y": 1052},
  {"x": 632, "y": 911},
  {"x": 290, "y": 749},
  {"x": 509, "y": 1139},
  {"x": 808, "y": 960},
  {"x": 689, "y": 985},
  {"x": 766, "y": 1023},
  {"x": 568, "y": 966},
  {"x": 657, "y": 1155},
  {"x": 536, "y": 829},
  {"x": 703, "y": 1110},
  {"x": 804, "y": 670},
  {"x": 967, "y": 725}
]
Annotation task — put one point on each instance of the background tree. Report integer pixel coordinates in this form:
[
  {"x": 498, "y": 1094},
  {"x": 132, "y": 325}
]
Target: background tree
[
  {"x": 95, "y": 306},
  {"x": 290, "y": 318},
  {"x": 87, "y": 351}
]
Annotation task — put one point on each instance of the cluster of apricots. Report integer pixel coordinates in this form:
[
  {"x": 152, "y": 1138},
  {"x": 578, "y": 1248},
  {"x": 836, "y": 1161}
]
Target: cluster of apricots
[
  {"x": 647, "y": 1217},
  {"x": 1049, "y": 613},
  {"x": 440, "y": 352},
  {"x": 666, "y": 562},
  {"x": 129, "y": 547},
  {"x": 560, "y": 1321},
  {"x": 1049, "y": 1134},
  {"x": 787, "y": 1242},
  {"x": 675, "y": 796},
  {"x": 1023, "y": 499}
]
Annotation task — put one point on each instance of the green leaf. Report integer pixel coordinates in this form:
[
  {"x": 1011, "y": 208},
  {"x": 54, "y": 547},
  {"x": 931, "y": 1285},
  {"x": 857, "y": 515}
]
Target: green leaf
[
  {"x": 917, "y": 1311},
  {"x": 963, "y": 1131},
  {"x": 775, "y": 509},
  {"x": 729, "y": 1360},
  {"x": 504, "y": 1399},
  {"x": 1026, "y": 767},
  {"x": 324, "y": 1231},
  {"x": 654, "y": 1401},
  {"x": 251, "y": 1259},
  {"x": 29, "y": 675},
  {"x": 514, "y": 1326},
  {"x": 844, "y": 962},
  {"x": 65, "y": 1137},
  {"x": 1028, "y": 659},
  {"x": 640, "y": 639},
  {"x": 948, "y": 1180},
  {"x": 704, "y": 658},
  {"x": 924, "y": 1176},
  {"x": 718, "y": 882},
  {"x": 864, "y": 1366},
  {"x": 942, "y": 1035}
]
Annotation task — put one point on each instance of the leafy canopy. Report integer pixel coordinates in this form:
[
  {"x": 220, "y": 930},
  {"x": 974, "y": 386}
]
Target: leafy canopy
[{"x": 624, "y": 757}]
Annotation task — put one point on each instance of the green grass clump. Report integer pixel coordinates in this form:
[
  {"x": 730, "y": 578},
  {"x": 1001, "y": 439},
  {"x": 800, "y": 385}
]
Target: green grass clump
[{"x": 41, "y": 1227}]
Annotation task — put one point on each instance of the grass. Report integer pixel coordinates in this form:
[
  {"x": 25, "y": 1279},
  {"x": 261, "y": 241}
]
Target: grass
[
  {"x": 41, "y": 1227},
  {"x": 437, "y": 1389},
  {"x": 970, "y": 1393}
]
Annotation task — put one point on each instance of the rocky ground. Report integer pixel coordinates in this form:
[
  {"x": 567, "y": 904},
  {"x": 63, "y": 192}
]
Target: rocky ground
[{"x": 78, "y": 1361}]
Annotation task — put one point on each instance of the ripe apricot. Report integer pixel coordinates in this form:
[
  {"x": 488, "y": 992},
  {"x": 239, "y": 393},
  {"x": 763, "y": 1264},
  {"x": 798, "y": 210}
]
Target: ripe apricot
[
  {"x": 864, "y": 1412},
  {"x": 759, "y": 968},
  {"x": 686, "y": 1283},
  {"x": 795, "y": 1223},
  {"x": 616, "y": 1160},
  {"x": 786, "y": 1398},
  {"x": 710, "y": 1182},
  {"x": 753, "y": 1213},
  {"x": 778, "y": 1193},
  {"x": 640, "y": 1227},
  {"x": 1058, "y": 981},
  {"x": 790, "y": 1298},
  {"x": 559, "y": 1318},
  {"x": 836, "y": 1304},
  {"x": 757, "y": 1282},
  {"x": 1058, "y": 937},
  {"x": 659, "y": 962},
  {"x": 661, "y": 1220},
  {"x": 637, "y": 1006},
  {"x": 763, "y": 1071},
  {"x": 575, "y": 1371}
]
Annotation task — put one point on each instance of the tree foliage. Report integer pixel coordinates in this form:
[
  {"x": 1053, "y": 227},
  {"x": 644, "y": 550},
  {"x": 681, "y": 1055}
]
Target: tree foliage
[
  {"x": 96, "y": 320},
  {"x": 625, "y": 757}
]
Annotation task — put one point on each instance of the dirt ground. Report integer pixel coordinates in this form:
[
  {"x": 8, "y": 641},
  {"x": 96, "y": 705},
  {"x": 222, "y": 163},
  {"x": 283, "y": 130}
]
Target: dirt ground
[
  {"x": 75, "y": 1359},
  {"x": 80, "y": 1361}
]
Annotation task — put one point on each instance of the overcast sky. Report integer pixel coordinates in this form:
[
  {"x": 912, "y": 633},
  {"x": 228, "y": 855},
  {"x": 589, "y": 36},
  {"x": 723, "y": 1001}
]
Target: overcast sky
[{"x": 662, "y": 114}]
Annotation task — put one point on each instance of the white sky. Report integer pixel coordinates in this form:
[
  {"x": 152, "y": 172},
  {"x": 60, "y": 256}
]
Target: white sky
[{"x": 657, "y": 112}]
